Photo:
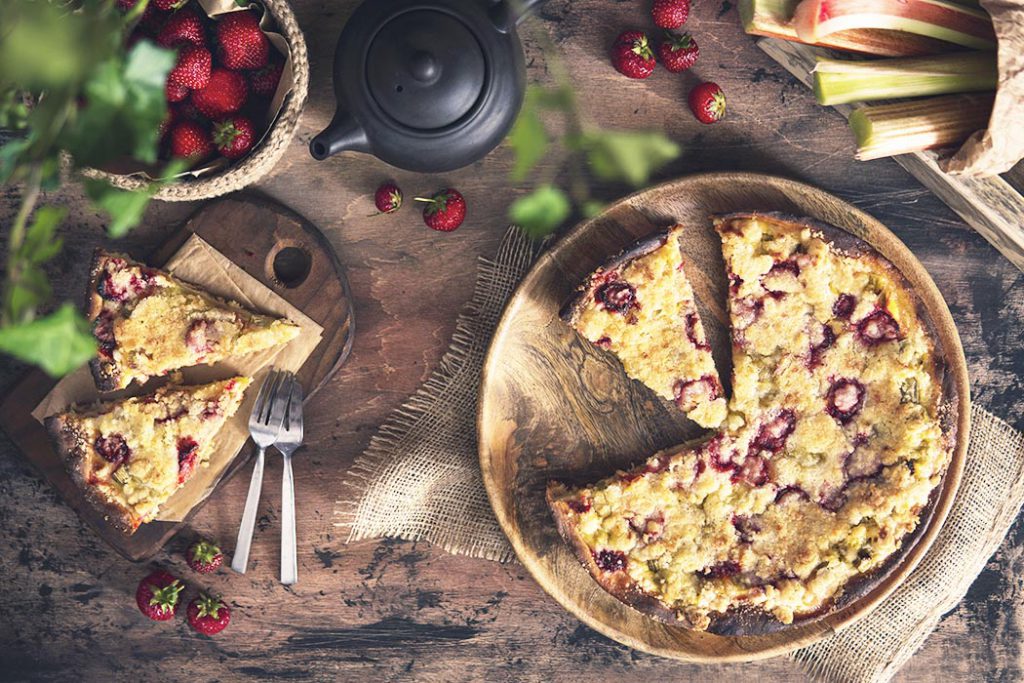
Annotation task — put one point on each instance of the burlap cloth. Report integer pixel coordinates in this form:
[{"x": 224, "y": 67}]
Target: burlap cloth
[{"x": 421, "y": 480}]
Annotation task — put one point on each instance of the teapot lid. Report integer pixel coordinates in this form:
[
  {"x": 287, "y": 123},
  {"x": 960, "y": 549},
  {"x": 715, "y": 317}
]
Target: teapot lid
[{"x": 425, "y": 69}]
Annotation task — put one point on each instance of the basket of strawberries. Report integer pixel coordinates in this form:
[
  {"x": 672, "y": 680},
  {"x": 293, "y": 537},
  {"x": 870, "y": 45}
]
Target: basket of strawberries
[{"x": 234, "y": 96}]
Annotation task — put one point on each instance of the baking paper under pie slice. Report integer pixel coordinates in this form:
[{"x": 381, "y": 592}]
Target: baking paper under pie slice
[{"x": 148, "y": 323}]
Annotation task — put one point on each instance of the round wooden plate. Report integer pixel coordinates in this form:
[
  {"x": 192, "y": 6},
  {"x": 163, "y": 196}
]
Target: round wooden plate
[{"x": 551, "y": 406}]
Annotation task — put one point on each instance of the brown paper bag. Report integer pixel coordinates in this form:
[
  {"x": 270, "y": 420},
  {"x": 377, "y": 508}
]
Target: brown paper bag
[
  {"x": 1000, "y": 146},
  {"x": 200, "y": 264}
]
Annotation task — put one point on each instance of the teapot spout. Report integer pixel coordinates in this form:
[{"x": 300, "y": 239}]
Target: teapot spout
[{"x": 344, "y": 134}]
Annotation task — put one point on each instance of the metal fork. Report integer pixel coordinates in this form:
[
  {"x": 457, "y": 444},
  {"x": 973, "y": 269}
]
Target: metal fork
[
  {"x": 288, "y": 441},
  {"x": 264, "y": 424}
]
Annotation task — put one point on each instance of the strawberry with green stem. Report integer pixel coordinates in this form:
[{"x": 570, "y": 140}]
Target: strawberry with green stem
[
  {"x": 158, "y": 595},
  {"x": 444, "y": 211},
  {"x": 387, "y": 198},
  {"x": 707, "y": 102},
  {"x": 208, "y": 615},
  {"x": 632, "y": 55},
  {"x": 204, "y": 557},
  {"x": 678, "y": 52},
  {"x": 234, "y": 136}
]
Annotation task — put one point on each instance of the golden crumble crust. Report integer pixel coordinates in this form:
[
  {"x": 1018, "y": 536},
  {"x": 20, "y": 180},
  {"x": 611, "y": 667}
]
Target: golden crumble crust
[
  {"x": 641, "y": 308},
  {"x": 831, "y": 450},
  {"x": 131, "y": 455},
  {"x": 148, "y": 323}
]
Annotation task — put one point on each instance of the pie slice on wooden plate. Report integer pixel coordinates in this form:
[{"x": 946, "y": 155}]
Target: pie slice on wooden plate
[
  {"x": 131, "y": 455},
  {"x": 835, "y": 440},
  {"x": 640, "y": 307},
  {"x": 148, "y": 323}
]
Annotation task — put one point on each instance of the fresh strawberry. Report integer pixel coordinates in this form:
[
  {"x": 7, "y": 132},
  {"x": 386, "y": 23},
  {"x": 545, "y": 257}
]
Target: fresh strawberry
[
  {"x": 632, "y": 56},
  {"x": 678, "y": 52},
  {"x": 224, "y": 94},
  {"x": 707, "y": 102},
  {"x": 158, "y": 595},
  {"x": 189, "y": 140},
  {"x": 183, "y": 28},
  {"x": 670, "y": 14},
  {"x": 445, "y": 211},
  {"x": 174, "y": 92},
  {"x": 263, "y": 82},
  {"x": 204, "y": 557},
  {"x": 388, "y": 198},
  {"x": 192, "y": 70},
  {"x": 208, "y": 615},
  {"x": 169, "y": 5},
  {"x": 241, "y": 42},
  {"x": 234, "y": 136}
]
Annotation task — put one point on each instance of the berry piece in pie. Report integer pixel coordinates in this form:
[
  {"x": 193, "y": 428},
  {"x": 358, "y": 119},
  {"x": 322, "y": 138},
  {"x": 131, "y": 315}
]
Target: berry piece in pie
[
  {"x": 147, "y": 323},
  {"x": 833, "y": 445},
  {"x": 640, "y": 306},
  {"x": 130, "y": 456}
]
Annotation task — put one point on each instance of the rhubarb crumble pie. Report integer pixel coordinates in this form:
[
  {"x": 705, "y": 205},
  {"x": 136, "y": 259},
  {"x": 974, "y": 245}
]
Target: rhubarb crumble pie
[
  {"x": 640, "y": 307},
  {"x": 834, "y": 441},
  {"x": 148, "y": 323},
  {"x": 130, "y": 456}
]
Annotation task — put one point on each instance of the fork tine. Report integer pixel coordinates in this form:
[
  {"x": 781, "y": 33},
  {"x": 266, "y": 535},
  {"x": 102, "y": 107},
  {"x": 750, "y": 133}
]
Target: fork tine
[
  {"x": 264, "y": 394},
  {"x": 295, "y": 410},
  {"x": 275, "y": 391},
  {"x": 280, "y": 402}
]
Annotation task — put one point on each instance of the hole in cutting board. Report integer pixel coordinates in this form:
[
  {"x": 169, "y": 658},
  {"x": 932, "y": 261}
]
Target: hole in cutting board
[{"x": 291, "y": 266}]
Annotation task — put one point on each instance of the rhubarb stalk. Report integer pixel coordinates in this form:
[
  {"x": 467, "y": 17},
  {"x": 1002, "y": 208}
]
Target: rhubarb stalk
[
  {"x": 889, "y": 129},
  {"x": 840, "y": 81},
  {"x": 948, "y": 21},
  {"x": 774, "y": 18}
]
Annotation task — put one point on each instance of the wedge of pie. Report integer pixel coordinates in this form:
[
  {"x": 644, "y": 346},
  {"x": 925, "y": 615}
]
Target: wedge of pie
[
  {"x": 148, "y": 323},
  {"x": 640, "y": 307},
  {"x": 818, "y": 476},
  {"x": 130, "y": 456}
]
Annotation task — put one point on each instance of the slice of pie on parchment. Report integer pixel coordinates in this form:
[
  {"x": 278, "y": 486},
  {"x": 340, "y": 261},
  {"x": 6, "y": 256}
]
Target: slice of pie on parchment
[
  {"x": 148, "y": 323},
  {"x": 130, "y": 456}
]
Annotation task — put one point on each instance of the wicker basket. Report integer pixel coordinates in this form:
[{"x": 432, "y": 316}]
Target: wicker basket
[{"x": 267, "y": 153}]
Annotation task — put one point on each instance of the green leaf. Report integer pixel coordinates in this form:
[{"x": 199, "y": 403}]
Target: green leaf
[
  {"x": 629, "y": 156},
  {"x": 10, "y": 155},
  {"x": 592, "y": 208},
  {"x": 59, "y": 343},
  {"x": 125, "y": 207},
  {"x": 541, "y": 211},
  {"x": 40, "y": 243},
  {"x": 529, "y": 142}
]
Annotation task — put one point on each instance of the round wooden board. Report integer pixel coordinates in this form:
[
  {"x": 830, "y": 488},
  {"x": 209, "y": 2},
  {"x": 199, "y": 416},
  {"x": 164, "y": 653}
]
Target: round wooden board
[{"x": 552, "y": 407}]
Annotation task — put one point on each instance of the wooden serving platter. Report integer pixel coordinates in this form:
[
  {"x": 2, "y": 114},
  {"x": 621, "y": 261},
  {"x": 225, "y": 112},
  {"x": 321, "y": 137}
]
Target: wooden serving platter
[
  {"x": 552, "y": 407},
  {"x": 276, "y": 246}
]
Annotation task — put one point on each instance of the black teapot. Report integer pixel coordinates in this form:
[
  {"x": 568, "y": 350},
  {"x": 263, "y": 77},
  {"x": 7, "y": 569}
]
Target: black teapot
[{"x": 427, "y": 85}]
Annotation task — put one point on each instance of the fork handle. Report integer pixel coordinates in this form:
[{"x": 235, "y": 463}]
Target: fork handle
[
  {"x": 289, "y": 553},
  {"x": 252, "y": 503}
]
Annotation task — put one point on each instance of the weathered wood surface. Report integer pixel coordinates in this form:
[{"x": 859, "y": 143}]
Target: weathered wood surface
[{"x": 401, "y": 611}]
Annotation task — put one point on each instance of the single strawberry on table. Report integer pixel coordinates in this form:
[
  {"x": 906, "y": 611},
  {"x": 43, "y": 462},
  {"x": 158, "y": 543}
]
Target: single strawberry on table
[
  {"x": 445, "y": 211},
  {"x": 670, "y": 14},
  {"x": 225, "y": 94},
  {"x": 707, "y": 102},
  {"x": 632, "y": 55},
  {"x": 190, "y": 140},
  {"x": 678, "y": 52},
  {"x": 184, "y": 27},
  {"x": 234, "y": 136},
  {"x": 241, "y": 42},
  {"x": 192, "y": 69},
  {"x": 158, "y": 595},
  {"x": 388, "y": 198},
  {"x": 208, "y": 615},
  {"x": 204, "y": 557}
]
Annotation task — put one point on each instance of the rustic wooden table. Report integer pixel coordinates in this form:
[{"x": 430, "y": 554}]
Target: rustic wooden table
[{"x": 395, "y": 610}]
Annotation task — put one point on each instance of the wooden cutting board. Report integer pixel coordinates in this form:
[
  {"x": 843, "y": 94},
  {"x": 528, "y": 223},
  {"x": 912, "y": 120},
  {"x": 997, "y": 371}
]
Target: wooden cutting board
[
  {"x": 553, "y": 407},
  {"x": 271, "y": 243}
]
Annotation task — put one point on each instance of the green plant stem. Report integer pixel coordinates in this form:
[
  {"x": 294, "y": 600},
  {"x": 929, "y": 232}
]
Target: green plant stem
[{"x": 17, "y": 237}]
